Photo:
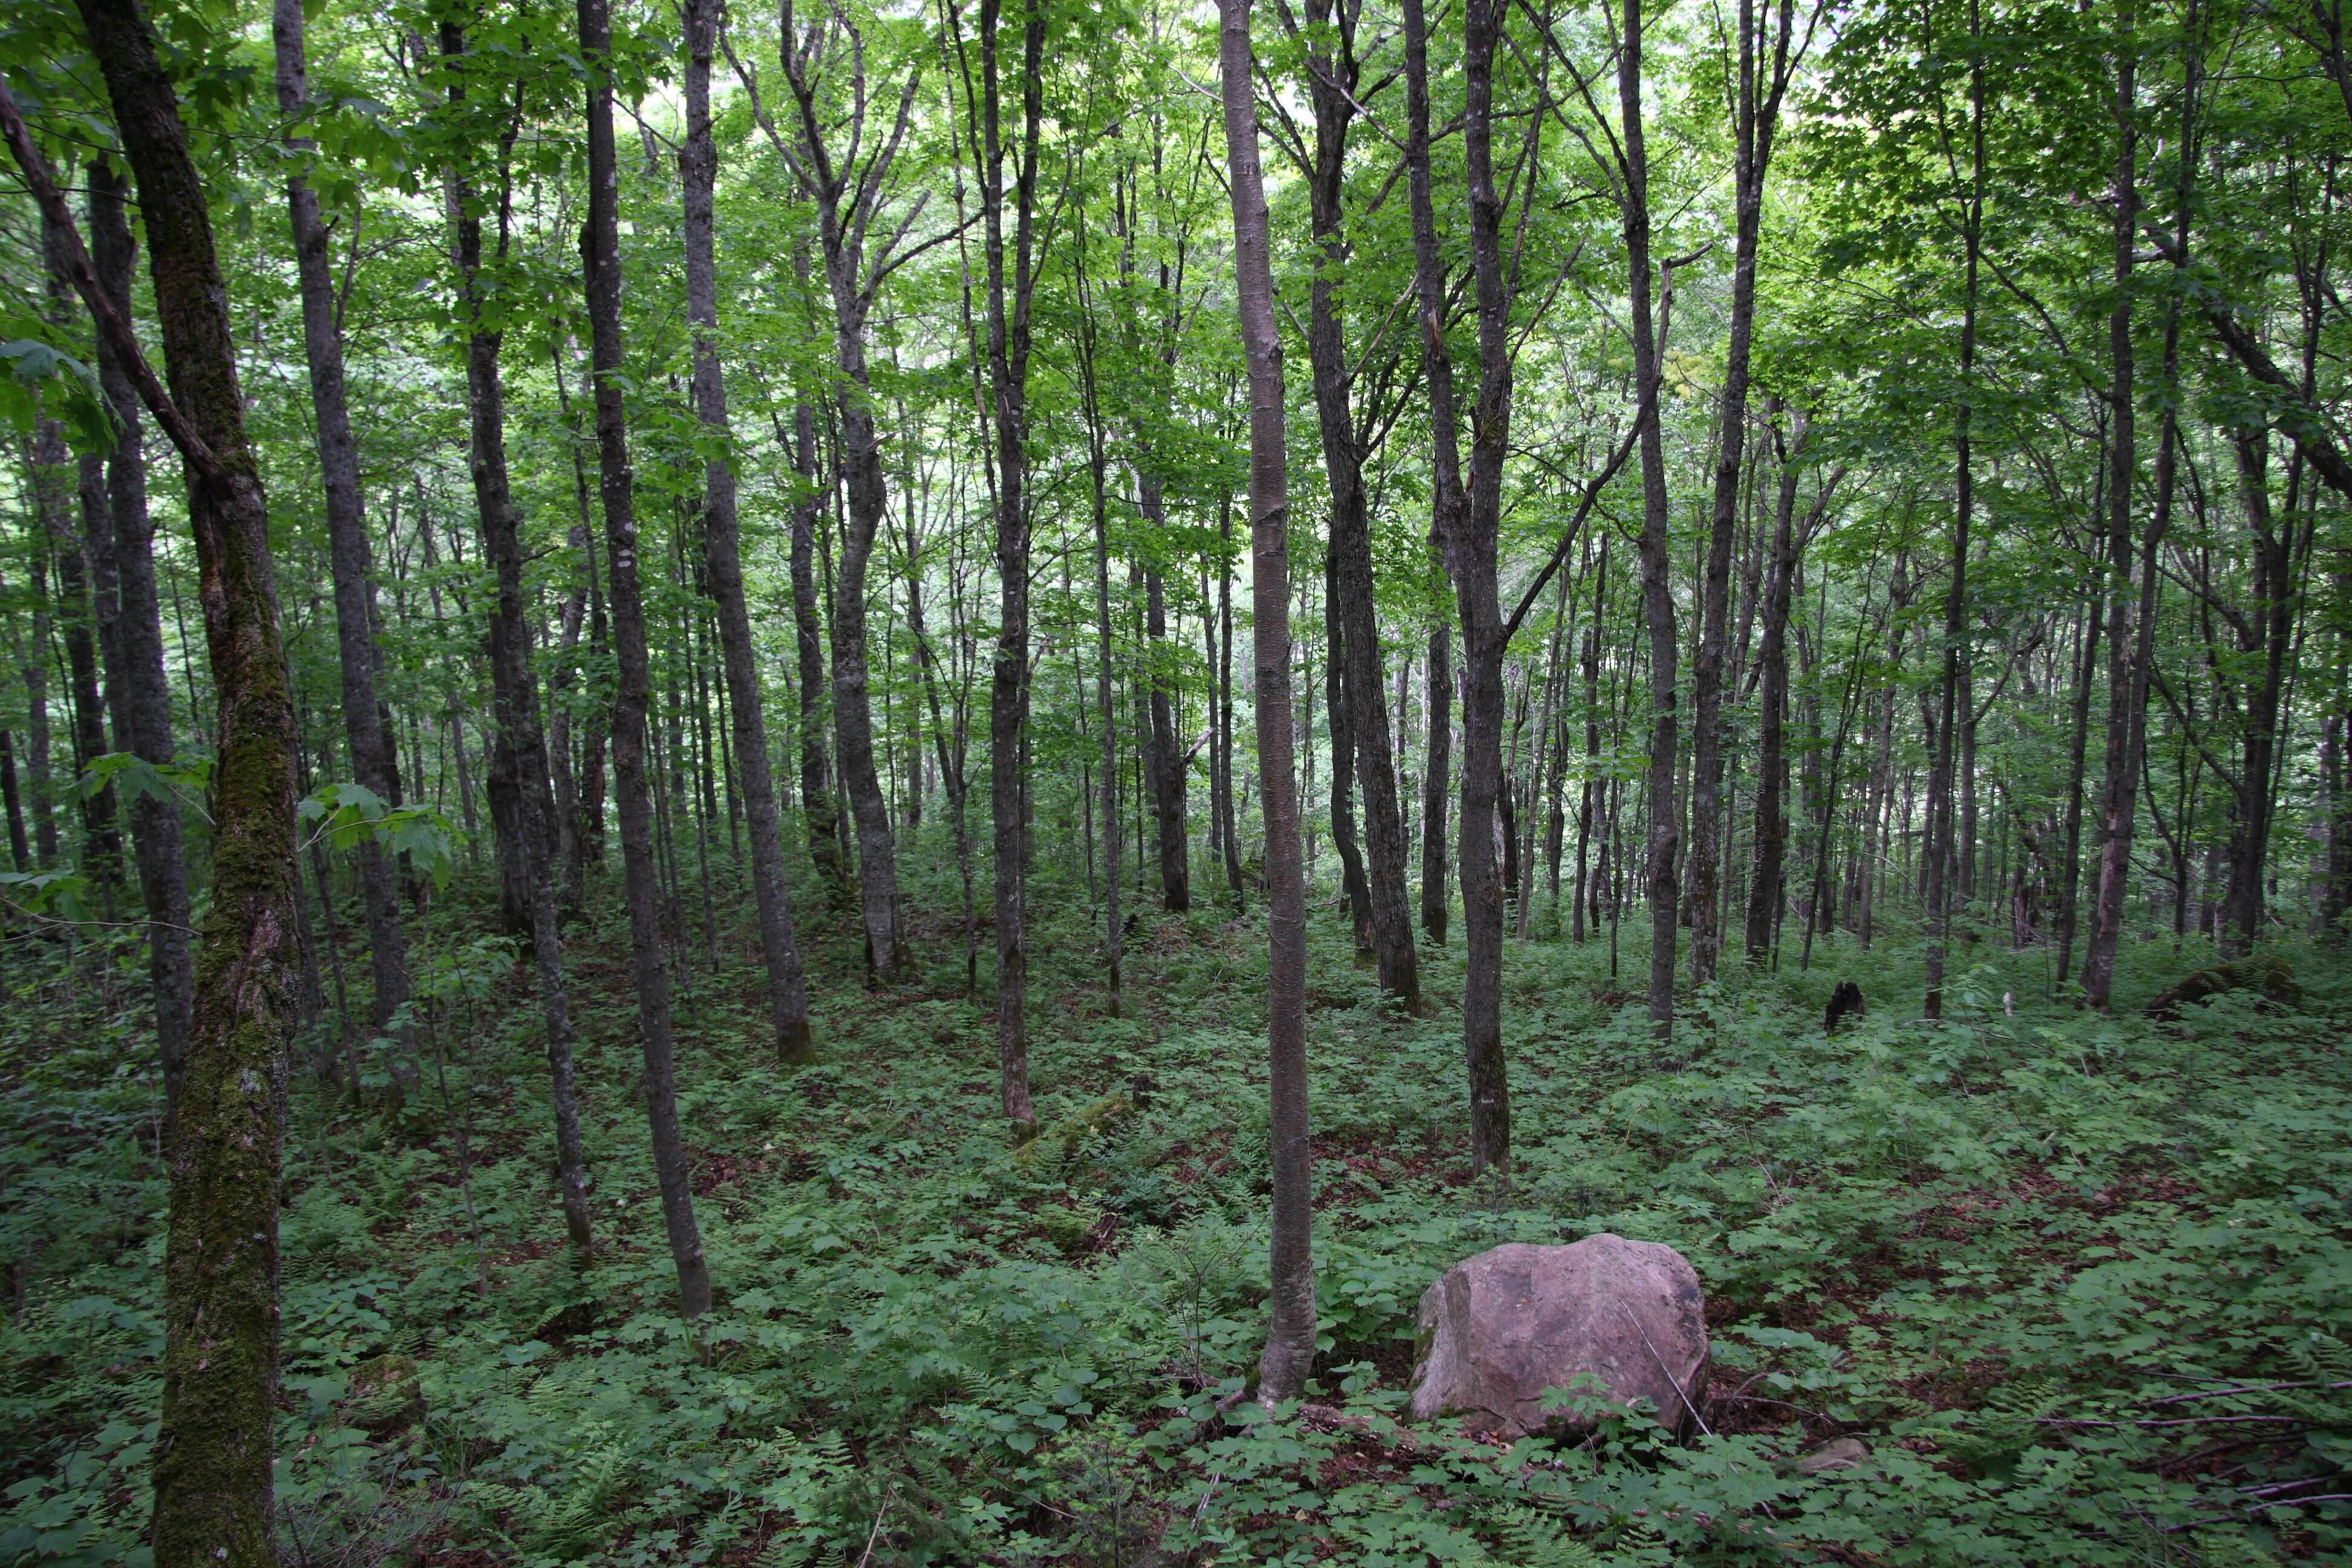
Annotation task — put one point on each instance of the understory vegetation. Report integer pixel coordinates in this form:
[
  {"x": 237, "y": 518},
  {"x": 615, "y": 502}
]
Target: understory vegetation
[{"x": 2079, "y": 1286}]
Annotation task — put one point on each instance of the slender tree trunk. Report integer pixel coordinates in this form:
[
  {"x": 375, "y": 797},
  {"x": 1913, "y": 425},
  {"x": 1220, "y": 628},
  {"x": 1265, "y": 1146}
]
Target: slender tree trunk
[
  {"x": 1470, "y": 558},
  {"x": 819, "y": 821},
  {"x": 2272, "y": 620},
  {"x": 1362, "y": 763},
  {"x": 1445, "y": 468},
  {"x": 699, "y": 173},
  {"x": 1589, "y": 799},
  {"x": 214, "y": 1502},
  {"x": 1113, "y": 933},
  {"x": 1008, "y": 379},
  {"x": 1656, "y": 551},
  {"x": 1290, "y": 1334},
  {"x": 1767, "y": 883},
  {"x": 600, "y": 252},
  {"x": 846, "y": 199},
  {"x": 1437, "y": 786},
  {"x": 1940, "y": 850},
  {"x": 1167, "y": 750},
  {"x": 2131, "y": 628},
  {"x": 1354, "y": 889},
  {"x": 1756, "y": 118},
  {"x": 33, "y": 661},
  {"x": 55, "y": 485},
  {"x": 374, "y": 766},
  {"x": 523, "y": 753},
  {"x": 1228, "y": 829},
  {"x": 20, "y": 852}
]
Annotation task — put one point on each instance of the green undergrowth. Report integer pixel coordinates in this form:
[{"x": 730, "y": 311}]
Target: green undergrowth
[{"x": 2081, "y": 1289}]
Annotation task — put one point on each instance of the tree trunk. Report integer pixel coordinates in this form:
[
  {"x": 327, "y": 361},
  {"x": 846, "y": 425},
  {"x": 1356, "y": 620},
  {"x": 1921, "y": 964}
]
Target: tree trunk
[
  {"x": 601, "y": 253},
  {"x": 1290, "y": 1334},
  {"x": 1227, "y": 819},
  {"x": 55, "y": 483},
  {"x": 1756, "y": 119},
  {"x": 846, "y": 199},
  {"x": 1354, "y": 889},
  {"x": 1167, "y": 790},
  {"x": 33, "y": 661},
  {"x": 1470, "y": 558},
  {"x": 213, "y": 1501},
  {"x": 1657, "y": 564},
  {"x": 1445, "y": 468},
  {"x": 1008, "y": 379},
  {"x": 1941, "y": 861},
  {"x": 521, "y": 753},
  {"x": 1589, "y": 799},
  {"x": 1436, "y": 787},
  {"x": 820, "y": 824},
  {"x": 2270, "y": 621},
  {"x": 722, "y": 555},
  {"x": 1767, "y": 884},
  {"x": 1113, "y": 933},
  {"x": 1361, "y": 755},
  {"x": 374, "y": 766},
  {"x": 2131, "y": 626}
]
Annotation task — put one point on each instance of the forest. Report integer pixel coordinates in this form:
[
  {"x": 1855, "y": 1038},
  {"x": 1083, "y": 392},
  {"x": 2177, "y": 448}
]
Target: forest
[{"x": 870, "y": 784}]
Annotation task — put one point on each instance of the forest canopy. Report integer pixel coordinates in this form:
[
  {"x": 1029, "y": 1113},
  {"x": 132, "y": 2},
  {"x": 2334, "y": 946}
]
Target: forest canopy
[{"x": 834, "y": 785}]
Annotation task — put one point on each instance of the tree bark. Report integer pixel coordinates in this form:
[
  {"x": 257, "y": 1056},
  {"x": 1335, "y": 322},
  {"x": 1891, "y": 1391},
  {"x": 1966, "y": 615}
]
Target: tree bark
[
  {"x": 20, "y": 853},
  {"x": 1227, "y": 815},
  {"x": 2131, "y": 626},
  {"x": 2271, "y": 623},
  {"x": 600, "y": 253},
  {"x": 1767, "y": 883},
  {"x": 722, "y": 554},
  {"x": 1167, "y": 750},
  {"x": 1470, "y": 558},
  {"x": 521, "y": 753},
  {"x": 1008, "y": 378},
  {"x": 57, "y": 479},
  {"x": 1656, "y": 549},
  {"x": 1941, "y": 861},
  {"x": 1756, "y": 119},
  {"x": 1445, "y": 468},
  {"x": 848, "y": 198},
  {"x": 1354, "y": 889},
  {"x": 1290, "y": 1334},
  {"x": 374, "y": 766},
  {"x": 214, "y": 1502},
  {"x": 817, "y": 816},
  {"x": 1362, "y": 758}
]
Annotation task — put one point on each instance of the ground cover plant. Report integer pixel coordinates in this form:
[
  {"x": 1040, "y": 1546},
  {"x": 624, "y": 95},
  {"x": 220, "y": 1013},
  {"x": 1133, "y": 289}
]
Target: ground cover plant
[{"x": 2078, "y": 1285}]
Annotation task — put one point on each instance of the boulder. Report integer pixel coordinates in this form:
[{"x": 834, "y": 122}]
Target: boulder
[{"x": 1501, "y": 1328}]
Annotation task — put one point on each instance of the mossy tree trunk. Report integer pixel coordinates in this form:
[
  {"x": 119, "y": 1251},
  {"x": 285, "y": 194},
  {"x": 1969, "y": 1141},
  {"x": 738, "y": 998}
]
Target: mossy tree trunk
[{"x": 214, "y": 1498}]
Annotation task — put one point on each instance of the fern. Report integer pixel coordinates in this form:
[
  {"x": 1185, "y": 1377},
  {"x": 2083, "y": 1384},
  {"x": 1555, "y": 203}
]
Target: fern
[
  {"x": 1535, "y": 1539},
  {"x": 798, "y": 1550}
]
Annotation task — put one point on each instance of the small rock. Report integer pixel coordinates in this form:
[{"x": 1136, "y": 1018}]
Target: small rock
[
  {"x": 1838, "y": 1454},
  {"x": 1500, "y": 1328}
]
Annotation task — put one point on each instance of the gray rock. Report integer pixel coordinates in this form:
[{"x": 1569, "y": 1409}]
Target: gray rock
[
  {"x": 1501, "y": 1328},
  {"x": 1838, "y": 1454}
]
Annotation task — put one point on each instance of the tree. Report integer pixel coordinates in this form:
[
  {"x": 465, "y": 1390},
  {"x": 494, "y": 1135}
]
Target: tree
[
  {"x": 600, "y": 244},
  {"x": 699, "y": 172},
  {"x": 212, "y": 1484},
  {"x": 1290, "y": 1334}
]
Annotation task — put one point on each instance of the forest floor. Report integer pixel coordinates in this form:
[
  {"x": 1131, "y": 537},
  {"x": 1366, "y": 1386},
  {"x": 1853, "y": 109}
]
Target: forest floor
[{"x": 2081, "y": 1289}]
